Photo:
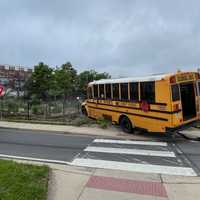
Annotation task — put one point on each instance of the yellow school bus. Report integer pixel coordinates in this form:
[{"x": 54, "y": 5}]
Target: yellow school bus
[{"x": 156, "y": 103}]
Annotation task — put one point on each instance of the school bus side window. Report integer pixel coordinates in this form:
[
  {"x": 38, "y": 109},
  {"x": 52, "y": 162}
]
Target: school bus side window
[
  {"x": 175, "y": 92},
  {"x": 108, "y": 91},
  {"x": 115, "y": 91},
  {"x": 90, "y": 92},
  {"x": 124, "y": 91},
  {"x": 95, "y": 91},
  {"x": 147, "y": 91},
  {"x": 134, "y": 96},
  {"x": 101, "y": 91}
]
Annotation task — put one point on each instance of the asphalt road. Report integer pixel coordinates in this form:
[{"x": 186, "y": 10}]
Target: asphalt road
[
  {"x": 65, "y": 147},
  {"x": 40, "y": 144}
]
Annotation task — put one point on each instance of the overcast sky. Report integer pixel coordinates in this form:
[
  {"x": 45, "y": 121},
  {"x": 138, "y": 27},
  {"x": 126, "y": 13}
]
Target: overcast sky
[{"x": 122, "y": 37}]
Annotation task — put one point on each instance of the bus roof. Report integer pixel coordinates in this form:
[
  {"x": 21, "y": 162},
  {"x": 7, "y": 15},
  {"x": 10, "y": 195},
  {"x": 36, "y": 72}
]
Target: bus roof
[{"x": 155, "y": 77}]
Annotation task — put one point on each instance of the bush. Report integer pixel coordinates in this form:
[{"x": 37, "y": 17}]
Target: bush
[
  {"x": 12, "y": 107},
  {"x": 37, "y": 110},
  {"x": 103, "y": 123},
  {"x": 79, "y": 121}
]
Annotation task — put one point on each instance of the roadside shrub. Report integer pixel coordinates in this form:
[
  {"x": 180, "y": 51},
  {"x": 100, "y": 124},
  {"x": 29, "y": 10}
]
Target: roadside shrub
[
  {"x": 103, "y": 123},
  {"x": 36, "y": 109},
  {"x": 82, "y": 120},
  {"x": 12, "y": 107}
]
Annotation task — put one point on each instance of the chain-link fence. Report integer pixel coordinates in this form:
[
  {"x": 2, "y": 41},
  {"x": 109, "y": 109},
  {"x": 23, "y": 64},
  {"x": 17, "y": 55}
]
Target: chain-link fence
[{"x": 19, "y": 108}]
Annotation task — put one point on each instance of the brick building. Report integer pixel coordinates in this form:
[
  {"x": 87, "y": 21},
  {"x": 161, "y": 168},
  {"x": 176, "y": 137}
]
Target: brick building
[{"x": 14, "y": 76}]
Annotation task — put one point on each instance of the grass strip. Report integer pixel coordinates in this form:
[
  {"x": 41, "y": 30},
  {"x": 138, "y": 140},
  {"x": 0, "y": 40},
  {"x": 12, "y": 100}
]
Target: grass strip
[{"x": 23, "y": 181}]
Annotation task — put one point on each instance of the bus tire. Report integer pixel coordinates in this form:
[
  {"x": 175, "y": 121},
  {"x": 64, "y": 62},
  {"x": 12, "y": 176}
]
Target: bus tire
[
  {"x": 84, "y": 111},
  {"x": 126, "y": 125}
]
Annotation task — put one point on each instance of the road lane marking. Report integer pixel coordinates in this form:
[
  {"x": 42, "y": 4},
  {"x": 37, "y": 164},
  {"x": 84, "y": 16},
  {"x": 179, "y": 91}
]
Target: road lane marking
[
  {"x": 34, "y": 159},
  {"x": 130, "y": 142},
  {"x": 134, "y": 167},
  {"x": 130, "y": 151}
]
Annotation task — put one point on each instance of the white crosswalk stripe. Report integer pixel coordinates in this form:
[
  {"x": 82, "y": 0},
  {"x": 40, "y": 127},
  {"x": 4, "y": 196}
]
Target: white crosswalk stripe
[
  {"x": 130, "y": 142},
  {"x": 134, "y": 167},
  {"x": 135, "y": 156},
  {"x": 130, "y": 151}
]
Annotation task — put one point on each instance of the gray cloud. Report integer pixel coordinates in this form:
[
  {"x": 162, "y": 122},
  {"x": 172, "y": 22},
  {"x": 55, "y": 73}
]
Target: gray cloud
[{"x": 122, "y": 37}]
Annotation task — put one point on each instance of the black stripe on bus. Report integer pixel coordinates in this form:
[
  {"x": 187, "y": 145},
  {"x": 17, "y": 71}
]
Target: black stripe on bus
[
  {"x": 151, "y": 117},
  {"x": 167, "y": 112},
  {"x": 157, "y": 103},
  {"x": 136, "y": 108},
  {"x": 129, "y": 101}
]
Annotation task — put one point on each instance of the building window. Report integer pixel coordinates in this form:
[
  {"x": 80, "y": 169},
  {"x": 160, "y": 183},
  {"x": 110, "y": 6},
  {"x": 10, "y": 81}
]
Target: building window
[
  {"x": 175, "y": 92},
  {"x": 95, "y": 91},
  {"x": 101, "y": 91},
  {"x": 124, "y": 91},
  {"x": 115, "y": 91},
  {"x": 11, "y": 68},
  {"x": 147, "y": 91},
  {"x": 134, "y": 95},
  {"x": 108, "y": 91}
]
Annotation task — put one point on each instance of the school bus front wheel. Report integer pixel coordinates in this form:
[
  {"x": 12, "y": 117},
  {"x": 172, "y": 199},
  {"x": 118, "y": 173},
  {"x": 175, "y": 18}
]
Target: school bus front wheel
[{"x": 84, "y": 111}]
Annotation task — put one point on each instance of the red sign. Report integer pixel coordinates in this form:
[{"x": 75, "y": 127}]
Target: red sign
[
  {"x": 144, "y": 106},
  {"x": 1, "y": 90}
]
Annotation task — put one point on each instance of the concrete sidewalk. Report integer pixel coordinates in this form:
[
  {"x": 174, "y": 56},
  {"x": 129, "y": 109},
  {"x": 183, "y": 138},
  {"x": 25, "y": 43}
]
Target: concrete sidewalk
[
  {"x": 110, "y": 132},
  {"x": 98, "y": 184},
  {"x": 78, "y": 183}
]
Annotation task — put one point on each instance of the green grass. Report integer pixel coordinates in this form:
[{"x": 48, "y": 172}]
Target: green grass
[{"x": 23, "y": 181}]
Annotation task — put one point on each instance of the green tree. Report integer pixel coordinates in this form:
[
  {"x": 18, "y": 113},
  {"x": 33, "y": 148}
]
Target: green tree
[
  {"x": 41, "y": 83},
  {"x": 87, "y": 76},
  {"x": 65, "y": 77}
]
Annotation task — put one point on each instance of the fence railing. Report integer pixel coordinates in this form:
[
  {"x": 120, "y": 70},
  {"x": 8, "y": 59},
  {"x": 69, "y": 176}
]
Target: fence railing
[{"x": 26, "y": 109}]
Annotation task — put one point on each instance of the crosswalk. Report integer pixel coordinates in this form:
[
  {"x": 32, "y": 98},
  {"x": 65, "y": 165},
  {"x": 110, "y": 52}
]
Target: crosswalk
[{"x": 135, "y": 156}]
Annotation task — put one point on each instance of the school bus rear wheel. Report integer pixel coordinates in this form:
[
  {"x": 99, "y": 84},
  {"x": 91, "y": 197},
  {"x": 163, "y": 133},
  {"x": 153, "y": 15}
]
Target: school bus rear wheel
[{"x": 126, "y": 124}]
